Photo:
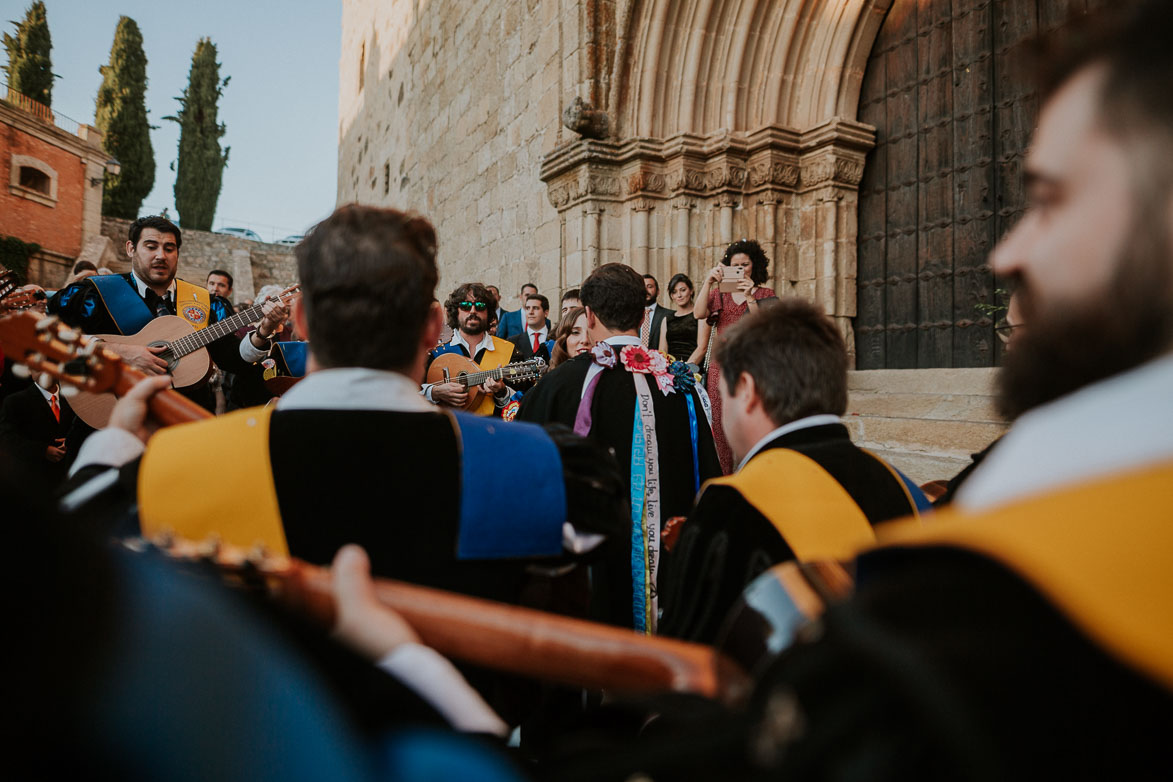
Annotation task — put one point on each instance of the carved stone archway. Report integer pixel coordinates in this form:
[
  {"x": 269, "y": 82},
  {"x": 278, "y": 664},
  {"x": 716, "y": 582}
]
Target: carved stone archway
[{"x": 707, "y": 120}]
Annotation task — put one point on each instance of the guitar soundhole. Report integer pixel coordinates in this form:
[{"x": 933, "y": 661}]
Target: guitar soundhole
[{"x": 166, "y": 355}]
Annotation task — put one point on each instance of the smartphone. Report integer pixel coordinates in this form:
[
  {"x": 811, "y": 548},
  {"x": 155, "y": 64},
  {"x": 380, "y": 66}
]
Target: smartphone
[{"x": 731, "y": 277}]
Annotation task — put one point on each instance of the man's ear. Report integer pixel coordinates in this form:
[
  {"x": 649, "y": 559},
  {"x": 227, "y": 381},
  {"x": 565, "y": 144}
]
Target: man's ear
[
  {"x": 129, "y": 249},
  {"x": 591, "y": 319},
  {"x": 300, "y": 321},
  {"x": 746, "y": 392},
  {"x": 433, "y": 325}
]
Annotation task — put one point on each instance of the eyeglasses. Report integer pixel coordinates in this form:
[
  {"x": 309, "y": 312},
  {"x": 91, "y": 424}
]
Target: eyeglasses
[
  {"x": 1004, "y": 330},
  {"x": 469, "y": 306}
]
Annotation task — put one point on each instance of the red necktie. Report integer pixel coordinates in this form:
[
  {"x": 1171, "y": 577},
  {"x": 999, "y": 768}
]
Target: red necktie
[
  {"x": 53, "y": 406},
  {"x": 537, "y": 343}
]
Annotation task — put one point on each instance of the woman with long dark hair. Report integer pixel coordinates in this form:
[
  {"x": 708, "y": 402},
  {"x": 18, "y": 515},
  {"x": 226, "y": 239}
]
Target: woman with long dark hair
[
  {"x": 722, "y": 310},
  {"x": 572, "y": 338},
  {"x": 683, "y": 336}
]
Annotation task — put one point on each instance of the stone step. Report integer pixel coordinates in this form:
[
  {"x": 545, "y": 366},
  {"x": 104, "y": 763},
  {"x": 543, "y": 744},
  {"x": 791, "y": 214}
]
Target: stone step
[
  {"x": 931, "y": 407},
  {"x": 941, "y": 438},
  {"x": 977, "y": 382}
]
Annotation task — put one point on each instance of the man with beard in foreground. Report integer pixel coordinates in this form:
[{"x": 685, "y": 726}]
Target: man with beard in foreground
[{"x": 1028, "y": 633}]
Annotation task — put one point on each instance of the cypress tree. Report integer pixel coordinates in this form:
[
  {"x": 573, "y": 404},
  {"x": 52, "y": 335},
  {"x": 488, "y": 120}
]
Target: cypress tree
[
  {"x": 122, "y": 118},
  {"x": 30, "y": 71},
  {"x": 201, "y": 163}
]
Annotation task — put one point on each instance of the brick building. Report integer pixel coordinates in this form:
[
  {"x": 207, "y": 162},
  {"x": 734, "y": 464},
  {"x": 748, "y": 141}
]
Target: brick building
[{"x": 54, "y": 169}]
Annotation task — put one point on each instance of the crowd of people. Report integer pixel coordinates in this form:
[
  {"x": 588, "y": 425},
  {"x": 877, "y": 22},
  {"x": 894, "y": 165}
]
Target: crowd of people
[{"x": 669, "y": 471}]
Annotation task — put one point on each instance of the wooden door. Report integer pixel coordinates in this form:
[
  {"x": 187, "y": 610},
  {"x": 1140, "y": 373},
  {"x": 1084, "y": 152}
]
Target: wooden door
[{"x": 954, "y": 101}]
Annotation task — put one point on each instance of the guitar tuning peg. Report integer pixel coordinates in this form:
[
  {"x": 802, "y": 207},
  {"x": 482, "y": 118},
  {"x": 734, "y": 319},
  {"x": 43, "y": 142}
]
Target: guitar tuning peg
[
  {"x": 69, "y": 392},
  {"x": 45, "y": 380},
  {"x": 21, "y": 371},
  {"x": 69, "y": 336},
  {"x": 44, "y": 324}
]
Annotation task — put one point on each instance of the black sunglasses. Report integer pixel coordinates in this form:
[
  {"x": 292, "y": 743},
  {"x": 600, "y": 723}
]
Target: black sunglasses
[{"x": 469, "y": 306}]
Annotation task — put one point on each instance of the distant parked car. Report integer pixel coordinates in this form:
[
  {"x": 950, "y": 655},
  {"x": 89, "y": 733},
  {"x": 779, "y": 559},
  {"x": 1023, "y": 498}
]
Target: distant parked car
[
  {"x": 243, "y": 233},
  {"x": 291, "y": 240}
]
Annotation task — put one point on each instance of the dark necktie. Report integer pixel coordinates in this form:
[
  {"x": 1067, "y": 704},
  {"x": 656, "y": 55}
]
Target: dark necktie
[{"x": 157, "y": 303}]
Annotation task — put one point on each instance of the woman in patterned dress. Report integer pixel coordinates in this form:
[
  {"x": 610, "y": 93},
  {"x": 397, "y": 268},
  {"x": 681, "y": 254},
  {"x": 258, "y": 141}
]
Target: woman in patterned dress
[{"x": 722, "y": 310}]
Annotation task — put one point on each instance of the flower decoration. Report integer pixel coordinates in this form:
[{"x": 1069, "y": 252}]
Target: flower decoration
[
  {"x": 510, "y": 410},
  {"x": 637, "y": 358},
  {"x": 604, "y": 355},
  {"x": 682, "y": 378}
]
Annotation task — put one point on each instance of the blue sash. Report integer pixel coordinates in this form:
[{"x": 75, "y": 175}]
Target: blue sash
[
  {"x": 128, "y": 310},
  {"x": 497, "y": 521},
  {"x": 293, "y": 355},
  {"x": 922, "y": 503}
]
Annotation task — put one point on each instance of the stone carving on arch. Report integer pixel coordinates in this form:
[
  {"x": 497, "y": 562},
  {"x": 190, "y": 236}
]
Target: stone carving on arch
[{"x": 743, "y": 109}]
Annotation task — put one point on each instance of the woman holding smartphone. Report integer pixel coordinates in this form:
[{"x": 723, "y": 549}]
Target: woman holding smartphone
[{"x": 724, "y": 308}]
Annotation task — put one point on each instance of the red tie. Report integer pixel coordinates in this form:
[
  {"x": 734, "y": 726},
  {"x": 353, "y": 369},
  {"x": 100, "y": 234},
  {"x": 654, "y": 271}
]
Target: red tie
[
  {"x": 53, "y": 406},
  {"x": 537, "y": 343}
]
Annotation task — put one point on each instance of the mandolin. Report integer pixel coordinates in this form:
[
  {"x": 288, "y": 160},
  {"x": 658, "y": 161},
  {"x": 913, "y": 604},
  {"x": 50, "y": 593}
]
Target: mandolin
[
  {"x": 502, "y": 637},
  {"x": 44, "y": 346},
  {"x": 455, "y": 368},
  {"x": 185, "y": 353}
]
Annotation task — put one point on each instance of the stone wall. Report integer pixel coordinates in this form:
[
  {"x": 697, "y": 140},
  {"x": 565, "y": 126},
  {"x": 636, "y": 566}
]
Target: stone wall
[
  {"x": 447, "y": 108},
  {"x": 252, "y": 264}
]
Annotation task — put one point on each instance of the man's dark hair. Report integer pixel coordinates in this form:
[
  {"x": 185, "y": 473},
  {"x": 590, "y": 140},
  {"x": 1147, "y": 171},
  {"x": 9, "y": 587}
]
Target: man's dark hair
[
  {"x": 160, "y": 224},
  {"x": 652, "y": 277},
  {"x": 615, "y": 293},
  {"x": 758, "y": 271},
  {"x": 469, "y": 291},
  {"x": 573, "y": 293},
  {"x": 542, "y": 299},
  {"x": 83, "y": 266},
  {"x": 368, "y": 278},
  {"x": 220, "y": 273},
  {"x": 529, "y": 285},
  {"x": 795, "y": 355}
]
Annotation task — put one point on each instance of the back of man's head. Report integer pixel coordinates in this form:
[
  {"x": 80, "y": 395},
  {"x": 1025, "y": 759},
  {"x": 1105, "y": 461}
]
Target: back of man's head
[
  {"x": 368, "y": 279},
  {"x": 795, "y": 355},
  {"x": 615, "y": 294}
]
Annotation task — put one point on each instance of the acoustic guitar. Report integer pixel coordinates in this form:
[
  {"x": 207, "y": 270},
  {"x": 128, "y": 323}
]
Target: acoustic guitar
[
  {"x": 43, "y": 346},
  {"x": 455, "y": 368},
  {"x": 185, "y": 351},
  {"x": 507, "y": 638}
]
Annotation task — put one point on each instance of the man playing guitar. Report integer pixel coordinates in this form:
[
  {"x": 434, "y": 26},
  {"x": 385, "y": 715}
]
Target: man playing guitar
[
  {"x": 123, "y": 304},
  {"x": 469, "y": 310}
]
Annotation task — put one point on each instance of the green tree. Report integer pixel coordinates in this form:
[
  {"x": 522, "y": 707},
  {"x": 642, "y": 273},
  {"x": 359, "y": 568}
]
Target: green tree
[
  {"x": 122, "y": 118},
  {"x": 30, "y": 71},
  {"x": 201, "y": 163}
]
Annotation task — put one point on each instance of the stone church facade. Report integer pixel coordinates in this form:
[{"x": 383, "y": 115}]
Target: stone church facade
[{"x": 872, "y": 147}]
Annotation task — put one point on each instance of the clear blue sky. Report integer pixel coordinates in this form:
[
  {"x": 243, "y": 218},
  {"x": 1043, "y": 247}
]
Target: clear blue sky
[{"x": 281, "y": 106}]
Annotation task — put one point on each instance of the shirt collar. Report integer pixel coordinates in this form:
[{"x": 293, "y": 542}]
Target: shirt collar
[
  {"x": 142, "y": 286},
  {"x": 48, "y": 394},
  {"x": 539, "y": 331},
  {"x": 486, "y": 343},
  {"x": 793, "y": 426},
  {"x": 355, "y": 388},
  {"x": 623, "y": 339}
]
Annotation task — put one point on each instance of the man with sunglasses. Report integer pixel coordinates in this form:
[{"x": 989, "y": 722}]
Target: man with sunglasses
[{"x": 470, "y": 309}]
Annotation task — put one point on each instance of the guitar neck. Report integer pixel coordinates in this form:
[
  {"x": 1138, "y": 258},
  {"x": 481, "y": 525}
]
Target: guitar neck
[
  {"x": 528, "y": 642},
  {"x": 510, "y": 370},
  {"x": 168, "y": 407},
  {"x": 209, "y": 334}
]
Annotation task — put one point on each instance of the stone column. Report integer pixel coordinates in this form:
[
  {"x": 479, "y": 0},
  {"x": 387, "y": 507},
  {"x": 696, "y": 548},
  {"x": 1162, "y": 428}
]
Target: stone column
[
  {"x": 681, "y": 238},
  {"x": 640, "y": 234},
  {"x": 242, "y": 276}
]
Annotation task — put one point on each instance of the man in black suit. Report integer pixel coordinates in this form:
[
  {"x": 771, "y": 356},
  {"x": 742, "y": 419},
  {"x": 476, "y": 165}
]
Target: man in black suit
[
  {"x": 654, "y": 314},
  {"x": 35, "y": 428},
  {"x": 535, "y": 338}
]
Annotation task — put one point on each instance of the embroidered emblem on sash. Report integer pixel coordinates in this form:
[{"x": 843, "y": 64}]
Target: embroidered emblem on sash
[{"x": 194, "y": 314}]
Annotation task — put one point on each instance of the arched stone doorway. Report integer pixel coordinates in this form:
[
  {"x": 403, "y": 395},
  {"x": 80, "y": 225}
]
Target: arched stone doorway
[{"x": 709, "y": 120}]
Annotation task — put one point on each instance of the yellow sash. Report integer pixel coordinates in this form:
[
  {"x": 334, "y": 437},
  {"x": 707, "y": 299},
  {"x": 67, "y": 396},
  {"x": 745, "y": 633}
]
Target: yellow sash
[
  {"x": 491, "y": 359},
  {"x": 816, "y": 516},
  {"x": 1102, "y": 553},
  {"x": 192, "y": 303},
  {"x": 186, "y": 486}
]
